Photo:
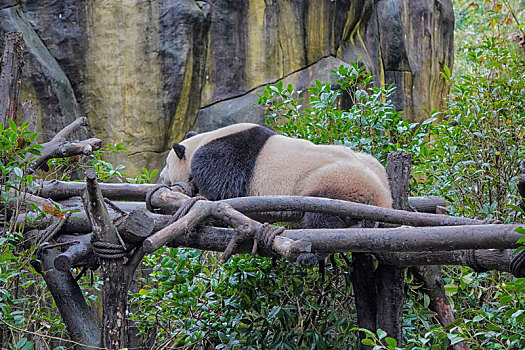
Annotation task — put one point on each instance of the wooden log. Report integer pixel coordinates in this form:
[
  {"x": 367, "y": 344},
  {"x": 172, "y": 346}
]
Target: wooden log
[
  {"x": 409, "y": 239},
  {"x": 170, "y": 201},
  {"x": 375, "y": 240},
  {"x": 217, "y": 238},
  {"x": 78, "y": 318},
  {"x": 390, "y": 279},
  {"x": 10, "y": 75},
  {"x": 80, "y": 224},
  {"x": 136, "y": 226},
  {"x": 26, "y": 199},
  {"x": 427, "y": 204},
  {"x": 60, "y": 190},
  {"x": 477, "y": 259},
  {"x": 79, "y": 254}
]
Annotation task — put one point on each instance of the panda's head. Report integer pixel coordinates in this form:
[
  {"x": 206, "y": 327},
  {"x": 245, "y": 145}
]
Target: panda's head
[{"x": 177, "y": 167}]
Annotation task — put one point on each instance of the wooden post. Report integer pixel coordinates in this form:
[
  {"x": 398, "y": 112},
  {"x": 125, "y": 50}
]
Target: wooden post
[
  {"x": 114, "y": 275},
  {"x": 79, "y": 319},
  {"x": 390, "y": 279},
  {"x": 10, "y": 75}
]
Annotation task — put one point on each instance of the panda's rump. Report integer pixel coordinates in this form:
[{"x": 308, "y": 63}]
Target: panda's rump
[{"x": 355, "y": 182}]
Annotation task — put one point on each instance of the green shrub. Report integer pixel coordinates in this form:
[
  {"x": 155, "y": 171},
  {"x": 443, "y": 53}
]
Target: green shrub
[
  {"x": 476, "y": 150},
  {"x": 371, "y": 124}
]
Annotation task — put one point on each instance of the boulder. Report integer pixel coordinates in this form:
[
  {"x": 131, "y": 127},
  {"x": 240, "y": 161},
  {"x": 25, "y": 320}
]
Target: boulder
[{"x": 145, "y": 72}]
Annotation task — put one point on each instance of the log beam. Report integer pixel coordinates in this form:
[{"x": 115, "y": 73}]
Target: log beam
[
  {"x": 169, "y": 201},
  {"x": 410, "y": 239},
  {"x": 60, "y": 190}
]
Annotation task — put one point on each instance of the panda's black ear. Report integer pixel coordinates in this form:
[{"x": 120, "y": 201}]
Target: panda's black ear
[
  {"x": 190, "y": 134},
  {"x": 179, "y": 149}
]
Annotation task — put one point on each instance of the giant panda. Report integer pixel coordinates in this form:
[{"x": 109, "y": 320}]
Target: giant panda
[{"x": 250, "y": 160}]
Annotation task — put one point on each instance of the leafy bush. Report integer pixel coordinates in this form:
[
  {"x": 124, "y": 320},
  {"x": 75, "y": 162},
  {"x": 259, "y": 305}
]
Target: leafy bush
[
  {"x": 371, "y": 124},
  {"x": 21, "y": 290},
  {"x": 247, "y": 303},
  {"x": 476, "y": 150}
]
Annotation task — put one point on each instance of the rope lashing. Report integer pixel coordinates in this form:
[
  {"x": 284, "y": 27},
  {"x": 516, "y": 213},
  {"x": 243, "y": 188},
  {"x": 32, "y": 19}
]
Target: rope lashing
[
  {"x": 517, "y": 263},
  {"x": 184, "y": 187},
  {"x": 263, "y": 239},
  {"x": 150, "y": 193},
  {"x": 108, "y": 250}
]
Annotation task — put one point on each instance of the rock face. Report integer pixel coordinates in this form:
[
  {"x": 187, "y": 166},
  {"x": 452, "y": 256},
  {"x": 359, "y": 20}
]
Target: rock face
[{"x": 145, "y": 72}]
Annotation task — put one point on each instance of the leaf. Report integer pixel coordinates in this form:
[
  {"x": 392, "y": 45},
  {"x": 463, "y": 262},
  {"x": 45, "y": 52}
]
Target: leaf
[
  {"x": 381, "y": 333},
  {"x": 23, "y": 341},
  {"x": 451, "y": 288},
  {"x": 368, "y": 341},
  {"x": 274, "y": 312},
  {"x": 13, "y": 127},
  {"x": 520, "y": 230},
  {"x": 56, "y": 212},
  {"x": 28, "y": 346},
  {"x": 18, "y": 172},
  {"x": 426, "y": 301},
  {"x": 454, "y": 339},
  {"x": 392, "y": 343}
]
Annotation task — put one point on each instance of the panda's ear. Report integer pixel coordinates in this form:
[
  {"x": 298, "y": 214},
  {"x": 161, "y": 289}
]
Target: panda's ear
[
  {"x": 179, "y": 149},
  {"x": 190, "y": 134}
]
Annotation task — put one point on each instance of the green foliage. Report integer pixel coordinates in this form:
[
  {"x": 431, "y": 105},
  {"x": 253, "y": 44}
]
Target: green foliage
[
  {"x": 476, "y": 151},
  {"x": 247, "y": 303},
  {"x": 371, "y": 124},
  {"x": 21, "y": 290},
  {"x": 16, "y": 153},
  {"x": 143, "y": 177},
  {"x": 105, "y": 170}
]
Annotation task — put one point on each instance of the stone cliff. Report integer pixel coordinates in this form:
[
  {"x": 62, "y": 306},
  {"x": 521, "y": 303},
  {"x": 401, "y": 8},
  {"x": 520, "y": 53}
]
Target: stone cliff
[{"x": 145, "y": 72}]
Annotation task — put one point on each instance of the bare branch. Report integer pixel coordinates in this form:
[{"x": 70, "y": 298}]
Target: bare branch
[{"x": 62, "y": 149}]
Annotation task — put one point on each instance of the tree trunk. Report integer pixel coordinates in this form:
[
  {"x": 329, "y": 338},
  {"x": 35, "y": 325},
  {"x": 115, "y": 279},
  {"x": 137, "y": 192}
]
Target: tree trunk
[{"x": 10, "y": 75}]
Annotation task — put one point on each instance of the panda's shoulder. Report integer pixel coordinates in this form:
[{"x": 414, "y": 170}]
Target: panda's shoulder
[{"x": 237, "y": 133}]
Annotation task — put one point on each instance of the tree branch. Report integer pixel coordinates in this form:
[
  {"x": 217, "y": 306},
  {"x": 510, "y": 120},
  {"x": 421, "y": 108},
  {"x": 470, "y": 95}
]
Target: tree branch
[{"x": 60, "y": 147}]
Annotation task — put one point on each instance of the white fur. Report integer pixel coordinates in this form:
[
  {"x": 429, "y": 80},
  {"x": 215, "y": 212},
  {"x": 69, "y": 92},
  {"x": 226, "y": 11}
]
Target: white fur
[{"x": 288, "y": 166}]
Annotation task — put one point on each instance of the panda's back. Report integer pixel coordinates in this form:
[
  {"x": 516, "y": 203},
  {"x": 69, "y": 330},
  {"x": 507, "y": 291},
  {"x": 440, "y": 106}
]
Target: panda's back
[{"x": 284, "y": 162}]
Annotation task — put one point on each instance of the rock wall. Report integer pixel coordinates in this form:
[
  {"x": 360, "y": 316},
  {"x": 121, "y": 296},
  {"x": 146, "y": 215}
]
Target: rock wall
[{"x": 145, "y": 72}]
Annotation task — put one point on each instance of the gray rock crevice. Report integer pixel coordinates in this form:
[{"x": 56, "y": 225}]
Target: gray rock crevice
[{"x": 259, "y": 87}]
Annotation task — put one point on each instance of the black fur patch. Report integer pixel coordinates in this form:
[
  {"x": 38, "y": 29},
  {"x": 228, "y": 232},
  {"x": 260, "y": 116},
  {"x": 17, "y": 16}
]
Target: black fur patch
[
  {"x": 223, "y": 168},
  {"x": 179, "y": 149}
]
